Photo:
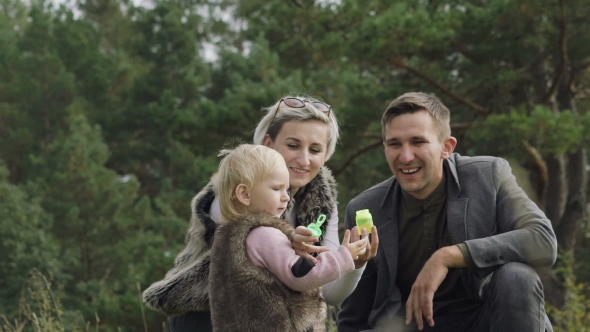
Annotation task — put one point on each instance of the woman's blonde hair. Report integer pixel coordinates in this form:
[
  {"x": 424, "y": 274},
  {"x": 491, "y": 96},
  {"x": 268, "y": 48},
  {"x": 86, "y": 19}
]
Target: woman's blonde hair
[
  {"x": 246, "y": 164},
  {"x": 276, "y": 117}
]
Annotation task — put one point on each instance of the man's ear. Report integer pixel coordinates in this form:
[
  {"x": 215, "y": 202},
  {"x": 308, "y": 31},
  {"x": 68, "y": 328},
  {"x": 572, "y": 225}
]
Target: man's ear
[
  {"x": 267, "y": 141},
  {"x": 242, "y": 194},
  {"x": 448, "y": 147}
]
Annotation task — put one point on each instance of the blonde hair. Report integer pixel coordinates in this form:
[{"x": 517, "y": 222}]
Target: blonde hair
[
  {"x": 273, "y": 121},
  {"x": 246, "y": 164}
]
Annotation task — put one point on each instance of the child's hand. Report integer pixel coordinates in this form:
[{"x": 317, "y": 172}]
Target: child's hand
[
  {"x": 303, "y": 241},
  {"x": 355, "y": 248}
]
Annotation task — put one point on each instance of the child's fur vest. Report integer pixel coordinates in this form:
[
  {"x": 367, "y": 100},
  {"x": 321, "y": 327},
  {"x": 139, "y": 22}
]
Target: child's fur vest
[
  {"x": 185, "y": 287},
  {"x": 244, "y": 297}
]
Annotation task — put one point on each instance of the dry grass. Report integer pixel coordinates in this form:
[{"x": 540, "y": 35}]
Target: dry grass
[{"x": 39, "y": 310}]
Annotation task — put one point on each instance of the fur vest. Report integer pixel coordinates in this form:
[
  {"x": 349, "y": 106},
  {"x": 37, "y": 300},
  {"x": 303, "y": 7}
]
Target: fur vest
[
  {"x": 244, "y": 297},
  {"x": 185, "y": 287}
]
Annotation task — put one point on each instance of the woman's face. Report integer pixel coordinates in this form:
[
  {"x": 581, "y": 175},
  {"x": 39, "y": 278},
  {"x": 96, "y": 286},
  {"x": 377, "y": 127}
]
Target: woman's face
[{"x": 304, "y": 146}]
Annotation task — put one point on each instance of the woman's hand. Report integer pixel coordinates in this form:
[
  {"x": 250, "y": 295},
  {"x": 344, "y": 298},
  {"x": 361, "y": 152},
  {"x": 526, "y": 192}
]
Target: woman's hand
[
  {"x": 303, "y": 241},
  {"x": 372, "y": 245}
]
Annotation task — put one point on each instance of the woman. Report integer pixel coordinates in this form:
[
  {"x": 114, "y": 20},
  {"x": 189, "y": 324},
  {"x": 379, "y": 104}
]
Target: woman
[{"x": 304, "y": 132}]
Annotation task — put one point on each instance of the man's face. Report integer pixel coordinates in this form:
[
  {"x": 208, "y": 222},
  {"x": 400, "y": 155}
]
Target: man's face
[{"x": 415, "y": 153}]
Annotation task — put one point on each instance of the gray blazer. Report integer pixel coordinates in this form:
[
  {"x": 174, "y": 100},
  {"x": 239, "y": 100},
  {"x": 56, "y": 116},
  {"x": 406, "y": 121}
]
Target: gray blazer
[{"x": 486, "y": 209}]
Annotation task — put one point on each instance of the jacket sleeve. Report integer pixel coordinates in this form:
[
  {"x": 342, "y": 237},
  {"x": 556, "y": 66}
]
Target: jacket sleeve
[
  {"x": 183, "y": 291},
  {"x": 185, "y": 287},
  {"x": 524, "y": 234},
  {"x": 356, "y": 308},
  {"x": 269, "y": 248},
  {"x": 336, "y": 291}
]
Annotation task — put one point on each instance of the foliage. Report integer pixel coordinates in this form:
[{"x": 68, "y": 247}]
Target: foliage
[
  {"x": 40, "y": 311},
  {"x": 549, "y": 132},
  {"x": 112, "y": 114},
  {"x": 26, "y": 242},
  {"x": 575, "y": 317}
]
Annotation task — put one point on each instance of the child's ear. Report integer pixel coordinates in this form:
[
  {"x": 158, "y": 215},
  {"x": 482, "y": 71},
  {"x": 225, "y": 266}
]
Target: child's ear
[{"x": 243, "y": 194}]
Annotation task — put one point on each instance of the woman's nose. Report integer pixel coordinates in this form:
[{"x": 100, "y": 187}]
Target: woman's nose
[{"x": 303, "y": 158}]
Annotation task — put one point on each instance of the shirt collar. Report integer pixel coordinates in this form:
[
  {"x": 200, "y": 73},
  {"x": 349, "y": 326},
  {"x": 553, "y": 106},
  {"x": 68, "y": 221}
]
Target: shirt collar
[{"x": 437, "y": 196}]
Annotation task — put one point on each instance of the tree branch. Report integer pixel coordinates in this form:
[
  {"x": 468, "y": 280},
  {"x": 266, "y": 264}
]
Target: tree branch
[
  {"x": 296, "y": 3},
  {"x": 461, "y": 126},
  {"x": 578, "y": 71},
  {"x": 583, "y": 94},
  {"x": 355, "y": 155},
  {"x": 564, "y": 58},
  {"x": 541, "y": 168},
  {"x": 446, "y": 90}
]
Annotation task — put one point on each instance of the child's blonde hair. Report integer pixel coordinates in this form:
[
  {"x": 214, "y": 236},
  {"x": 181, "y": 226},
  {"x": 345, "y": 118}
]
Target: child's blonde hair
[{"x": 247, "y": 164}]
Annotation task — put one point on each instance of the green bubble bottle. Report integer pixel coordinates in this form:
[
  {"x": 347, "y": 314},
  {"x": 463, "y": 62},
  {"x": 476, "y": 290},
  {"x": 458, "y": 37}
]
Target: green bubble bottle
[
  {"x": 315, "y": 227},
  {"x": 364, "y": 219}
]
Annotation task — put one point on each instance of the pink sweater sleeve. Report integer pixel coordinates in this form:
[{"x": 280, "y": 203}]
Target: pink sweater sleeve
[{"x": 269, "y": 248}]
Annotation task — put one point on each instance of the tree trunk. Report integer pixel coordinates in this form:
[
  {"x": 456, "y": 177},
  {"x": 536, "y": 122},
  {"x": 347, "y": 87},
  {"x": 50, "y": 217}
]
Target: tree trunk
[
  {"x": 567, "y": 225},
  {"x": 576, "y": 201},
  {"x": 556, "y": 189},
  {"x": 556, "y": 199}
]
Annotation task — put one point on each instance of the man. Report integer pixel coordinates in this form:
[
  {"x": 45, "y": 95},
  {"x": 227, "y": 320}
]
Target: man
[{"x": 459, "y": 237}]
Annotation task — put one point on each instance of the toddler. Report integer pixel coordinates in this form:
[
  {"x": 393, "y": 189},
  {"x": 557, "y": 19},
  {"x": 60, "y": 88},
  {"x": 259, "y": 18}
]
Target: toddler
[{"x": 256, "y": 280}]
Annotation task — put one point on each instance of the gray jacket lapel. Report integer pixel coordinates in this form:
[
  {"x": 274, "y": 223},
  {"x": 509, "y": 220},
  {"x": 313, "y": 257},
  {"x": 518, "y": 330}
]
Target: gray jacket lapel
[
  {"x": 456, "y": 206},
  {"x": 389, "y": 232}
]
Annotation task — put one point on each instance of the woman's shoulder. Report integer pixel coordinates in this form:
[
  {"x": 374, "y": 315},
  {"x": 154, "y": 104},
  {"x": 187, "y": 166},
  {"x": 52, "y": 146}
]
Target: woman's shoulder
[{"x": 202, "y": 201}]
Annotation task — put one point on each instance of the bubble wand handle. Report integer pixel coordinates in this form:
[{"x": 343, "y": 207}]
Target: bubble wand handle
[{"x": 315, "y": 227}]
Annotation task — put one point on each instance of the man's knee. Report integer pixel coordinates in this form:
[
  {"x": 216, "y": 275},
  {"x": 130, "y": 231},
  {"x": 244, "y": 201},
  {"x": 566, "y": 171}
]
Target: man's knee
[{"x": 516, "y": 278}]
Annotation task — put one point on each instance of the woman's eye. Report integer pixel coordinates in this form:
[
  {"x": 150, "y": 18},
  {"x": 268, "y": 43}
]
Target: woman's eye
[{"x": 292, "y": 146}]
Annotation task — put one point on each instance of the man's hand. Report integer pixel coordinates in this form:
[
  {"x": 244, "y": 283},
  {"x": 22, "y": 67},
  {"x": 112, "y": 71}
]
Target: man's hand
[
  {"x": 372, "y": 246},
  {"x": 429, "y": 279},
  {"x": 302, "y": 243}
]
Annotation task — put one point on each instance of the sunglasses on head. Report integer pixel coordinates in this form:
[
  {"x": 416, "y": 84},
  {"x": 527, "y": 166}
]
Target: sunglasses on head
[{"x": 300, "y": 103}]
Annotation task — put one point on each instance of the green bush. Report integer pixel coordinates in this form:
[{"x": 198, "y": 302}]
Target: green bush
[{"x": 575, "y": 315}]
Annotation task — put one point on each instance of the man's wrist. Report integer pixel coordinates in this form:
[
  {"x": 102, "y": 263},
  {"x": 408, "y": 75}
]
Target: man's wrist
[{"x": 451, "y": 257}]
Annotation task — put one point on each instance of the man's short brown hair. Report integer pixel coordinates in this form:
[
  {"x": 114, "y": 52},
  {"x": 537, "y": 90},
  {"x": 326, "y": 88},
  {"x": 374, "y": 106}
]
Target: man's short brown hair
[{"x": 412, "y": 102}]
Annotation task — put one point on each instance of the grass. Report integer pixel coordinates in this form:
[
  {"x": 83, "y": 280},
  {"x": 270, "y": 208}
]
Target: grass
[{"x": 40, "y": 311}]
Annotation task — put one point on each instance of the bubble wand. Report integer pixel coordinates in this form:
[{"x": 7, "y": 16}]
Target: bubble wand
[{"x": 315, "y": 227}]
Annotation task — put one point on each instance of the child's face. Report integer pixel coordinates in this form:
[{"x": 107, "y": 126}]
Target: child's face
[{"x": 270, "y": 195}]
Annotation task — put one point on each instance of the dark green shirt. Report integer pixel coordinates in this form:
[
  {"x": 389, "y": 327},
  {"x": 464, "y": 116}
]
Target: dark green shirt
[{"x": 422, "y": 231}]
